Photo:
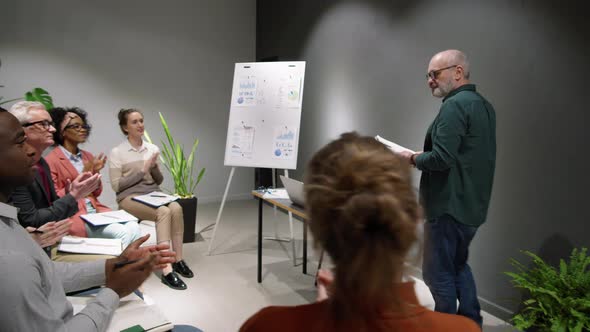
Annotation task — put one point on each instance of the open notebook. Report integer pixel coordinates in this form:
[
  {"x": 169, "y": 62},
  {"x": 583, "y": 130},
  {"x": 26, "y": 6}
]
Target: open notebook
[
  {"x": 85, "y": 245},
  {"x": 132, "y": 311},
  {"x": 106, "y": 218},
  {"x": 155, "y": 199}
]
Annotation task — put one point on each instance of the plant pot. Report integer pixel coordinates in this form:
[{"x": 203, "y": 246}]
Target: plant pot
[{"x": 189, "y": 211}]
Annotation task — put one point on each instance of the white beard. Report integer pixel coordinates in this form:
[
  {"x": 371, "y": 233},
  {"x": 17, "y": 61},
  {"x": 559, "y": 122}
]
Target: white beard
[{"x": 443, "y": 89}]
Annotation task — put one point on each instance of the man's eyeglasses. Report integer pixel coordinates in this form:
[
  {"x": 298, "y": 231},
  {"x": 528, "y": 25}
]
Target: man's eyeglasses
[
  {"x": 78, "y": 127},
  {"x": 435, "y": 73},
  {"x": 46, "y": 124}
]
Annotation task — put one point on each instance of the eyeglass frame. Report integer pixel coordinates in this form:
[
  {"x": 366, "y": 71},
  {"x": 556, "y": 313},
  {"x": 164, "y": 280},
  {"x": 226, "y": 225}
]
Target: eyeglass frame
[
  {"x": 46, "y": 124},
  {"x": 78, "y": 127},
  {"x": 433, "y": 74}
]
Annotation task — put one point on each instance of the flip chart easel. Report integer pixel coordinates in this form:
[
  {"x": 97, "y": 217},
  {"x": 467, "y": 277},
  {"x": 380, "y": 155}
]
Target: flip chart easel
[{"x": 264, "y": 121}]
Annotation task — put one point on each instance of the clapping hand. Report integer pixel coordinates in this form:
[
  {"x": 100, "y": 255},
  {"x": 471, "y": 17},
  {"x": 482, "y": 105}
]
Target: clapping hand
[
  {"x": 83, "y": 185},
  {"x": 134, "y": 252},
  {"x": 141, "y": 262},
  {"x": 151, "y": 162},
  {"x": 96, "y": 164},
  {"x": 129, "y": 277},
  {"x": 50, "y": 233}
]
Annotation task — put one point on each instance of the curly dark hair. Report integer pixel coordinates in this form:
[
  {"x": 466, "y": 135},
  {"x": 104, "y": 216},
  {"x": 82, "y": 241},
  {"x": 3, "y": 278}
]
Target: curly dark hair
[{"x": 58, "y": 115}]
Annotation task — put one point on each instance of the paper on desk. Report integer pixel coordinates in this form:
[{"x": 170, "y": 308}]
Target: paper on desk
[
  {"x": 393, "y": 146},
  {"x": 276, "y": 193}
]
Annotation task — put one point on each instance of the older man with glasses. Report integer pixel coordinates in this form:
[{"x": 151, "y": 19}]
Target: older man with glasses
[
  {"x": 457, "y": 167},
  {"x": 38, "y": 202}
]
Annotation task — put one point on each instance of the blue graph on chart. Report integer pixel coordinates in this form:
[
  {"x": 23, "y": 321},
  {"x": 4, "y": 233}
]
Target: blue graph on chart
[
  {"x": 247, "y": 85},
  {"x": 286, "y": 136},
  {"x": 246, "y": 91},
  {"x": 284, "y": 142}
]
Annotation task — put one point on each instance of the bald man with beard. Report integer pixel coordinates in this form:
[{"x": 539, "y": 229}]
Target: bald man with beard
[{"x": 457, "y": 165}]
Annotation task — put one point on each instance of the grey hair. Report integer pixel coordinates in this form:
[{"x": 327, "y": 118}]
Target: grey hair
[
  {"x": 22, "y": 110},
  {"x": 457, "y": 57}
]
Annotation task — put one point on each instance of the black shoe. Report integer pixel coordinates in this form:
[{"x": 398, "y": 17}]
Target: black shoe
[
  {"x": 183, "y": 269},
  {"x": 173, "y": 281}
]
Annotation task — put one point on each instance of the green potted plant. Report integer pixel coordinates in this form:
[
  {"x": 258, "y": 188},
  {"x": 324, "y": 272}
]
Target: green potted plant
[
  {"x": 558, "y": 299},
  {"x": 181, "y": 169},
  {"x": 37, "y": 94}
]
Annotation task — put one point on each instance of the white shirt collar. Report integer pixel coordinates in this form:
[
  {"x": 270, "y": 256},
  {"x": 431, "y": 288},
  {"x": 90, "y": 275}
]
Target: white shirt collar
[
  {"x": 8, "y": 211},
  {"x": 131, "y": 148},
  {"x": 69, "y": 155}
]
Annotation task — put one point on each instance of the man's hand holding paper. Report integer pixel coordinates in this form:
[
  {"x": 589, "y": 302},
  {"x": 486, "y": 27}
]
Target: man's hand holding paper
[{"x": 393, "y": 146}]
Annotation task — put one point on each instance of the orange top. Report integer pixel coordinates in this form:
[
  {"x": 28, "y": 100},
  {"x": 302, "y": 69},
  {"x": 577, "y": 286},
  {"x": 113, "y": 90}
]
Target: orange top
[{"x": 318, "y": 317}]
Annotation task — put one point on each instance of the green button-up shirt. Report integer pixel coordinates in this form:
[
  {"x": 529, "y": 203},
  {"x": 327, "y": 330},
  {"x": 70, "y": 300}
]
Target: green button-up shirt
[{"x": 459, "y": 158}]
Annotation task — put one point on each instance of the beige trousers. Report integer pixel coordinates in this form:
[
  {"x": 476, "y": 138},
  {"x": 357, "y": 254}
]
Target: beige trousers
[{"x": 169, "y": 219}]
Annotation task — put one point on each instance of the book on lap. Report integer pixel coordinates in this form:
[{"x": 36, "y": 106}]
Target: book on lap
[
  {"x": 106, "y": 218},
  {"x": 155, "y": 199},
  {"x": 85, "y": 245}
]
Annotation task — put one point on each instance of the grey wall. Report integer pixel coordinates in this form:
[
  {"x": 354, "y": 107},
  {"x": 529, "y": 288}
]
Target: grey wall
[
  {"x": 366, "y": 65},
  {"x": 366, "y": 62},
  {"x": 174, "y": 57}
]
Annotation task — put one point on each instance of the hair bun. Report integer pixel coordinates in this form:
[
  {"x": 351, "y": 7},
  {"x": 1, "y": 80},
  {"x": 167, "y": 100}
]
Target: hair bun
[
  {"x": 363, "y": 212},
  {"x": 378, "y": 214}
]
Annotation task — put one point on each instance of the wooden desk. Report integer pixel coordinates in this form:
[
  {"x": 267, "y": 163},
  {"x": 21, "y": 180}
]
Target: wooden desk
[{"x": 287, "y": 206}]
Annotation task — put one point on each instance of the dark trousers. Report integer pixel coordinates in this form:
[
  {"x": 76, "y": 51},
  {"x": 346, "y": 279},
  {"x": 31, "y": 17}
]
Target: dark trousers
[{"x": 445, "y": 269}]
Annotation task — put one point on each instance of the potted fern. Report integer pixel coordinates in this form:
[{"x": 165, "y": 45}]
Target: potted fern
[
  {"x": 180, "y": 167},
  {"x": 559, "y": 299}
]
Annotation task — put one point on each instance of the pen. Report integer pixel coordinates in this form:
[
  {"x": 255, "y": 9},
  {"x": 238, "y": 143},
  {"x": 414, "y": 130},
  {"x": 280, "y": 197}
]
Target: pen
[
  {"x": 37, "y": 231},
  {"x": 113, "y": 217},
  {"x": 123, "y": 263},
  {"x": 157, "y": 196}
]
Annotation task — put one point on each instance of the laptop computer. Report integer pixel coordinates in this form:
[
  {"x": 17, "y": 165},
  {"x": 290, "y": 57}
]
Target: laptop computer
[{"x": 294, "y": 190}]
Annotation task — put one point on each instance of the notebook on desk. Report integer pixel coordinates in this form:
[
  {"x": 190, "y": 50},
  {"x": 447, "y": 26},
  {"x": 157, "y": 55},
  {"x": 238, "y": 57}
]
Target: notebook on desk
[{"x": 294, "y": 190}]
